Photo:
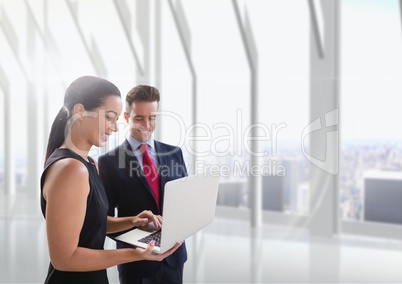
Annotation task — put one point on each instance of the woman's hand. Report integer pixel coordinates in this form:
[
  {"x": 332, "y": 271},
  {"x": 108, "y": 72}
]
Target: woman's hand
[
  {"x": 147, "y": 254},
  {"x": 146, "y": 217},
  {"x": 118, "y": 224}
]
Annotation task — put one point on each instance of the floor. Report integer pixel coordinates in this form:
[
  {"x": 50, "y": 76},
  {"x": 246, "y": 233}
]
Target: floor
[{"x": 227, "y": 251}]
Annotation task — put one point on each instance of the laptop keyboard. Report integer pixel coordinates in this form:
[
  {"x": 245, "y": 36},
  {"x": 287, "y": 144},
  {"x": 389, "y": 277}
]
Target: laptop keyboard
[{"x": 155, "y": 236}]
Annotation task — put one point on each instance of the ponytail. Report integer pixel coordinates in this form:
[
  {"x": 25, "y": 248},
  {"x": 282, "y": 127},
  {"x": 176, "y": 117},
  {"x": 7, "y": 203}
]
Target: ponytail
[
  {"x": 57, "y": 132},
  {"x": 89, "y": 91}
]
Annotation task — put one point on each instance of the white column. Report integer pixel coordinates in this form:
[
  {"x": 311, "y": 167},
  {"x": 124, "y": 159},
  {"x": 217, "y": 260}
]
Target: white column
[
  {"x": 323, "y": 135},
  {"x": 255, "y": 182},
  {"x": 185, "y": 39},
  {"x": 142, "y": 16},
  {"x": 33, "y": 109},
  {"x": 323, "y": 131},
  {"x": 157, "y": 58},
  {"x": 9, "y": 163}
]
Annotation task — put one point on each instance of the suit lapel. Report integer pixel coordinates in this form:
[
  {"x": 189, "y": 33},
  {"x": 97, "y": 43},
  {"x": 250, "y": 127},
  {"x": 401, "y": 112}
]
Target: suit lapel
[
  {"x": 132, "y": 165},
  {"x": 161, "y": 157},
  {"x": 162, "y": 161}
]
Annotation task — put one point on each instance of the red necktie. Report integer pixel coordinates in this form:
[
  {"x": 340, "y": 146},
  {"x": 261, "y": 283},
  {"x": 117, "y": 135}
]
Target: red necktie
[{"x": 150, "y": 171}]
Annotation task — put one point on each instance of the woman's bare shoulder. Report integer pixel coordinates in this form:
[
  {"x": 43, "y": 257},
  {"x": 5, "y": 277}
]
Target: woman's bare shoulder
[
  {"x": 65, "y": 173},
  {"x": 68, "y": 167}
]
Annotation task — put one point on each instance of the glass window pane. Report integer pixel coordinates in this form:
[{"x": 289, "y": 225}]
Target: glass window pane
[
  {"x": 283, "y": 61},
  {"x": 223, "y": 95},
  {"x": 371, "y": 150}
]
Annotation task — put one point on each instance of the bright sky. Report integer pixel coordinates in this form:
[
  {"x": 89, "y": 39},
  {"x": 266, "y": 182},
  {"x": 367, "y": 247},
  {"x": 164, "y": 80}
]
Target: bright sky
[{"x": 371, "y": 68}]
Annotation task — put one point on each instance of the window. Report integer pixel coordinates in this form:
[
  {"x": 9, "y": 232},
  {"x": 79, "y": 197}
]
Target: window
[
  {"x": 371, "y": 150},
  {"x": 282, "y": 39}
]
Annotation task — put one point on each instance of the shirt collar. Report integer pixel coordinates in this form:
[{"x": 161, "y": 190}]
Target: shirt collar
[{"x": 134, "y": 143}]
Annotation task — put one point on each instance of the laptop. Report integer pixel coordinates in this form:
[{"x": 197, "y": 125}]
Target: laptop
[{"x": 189, "y": 206}]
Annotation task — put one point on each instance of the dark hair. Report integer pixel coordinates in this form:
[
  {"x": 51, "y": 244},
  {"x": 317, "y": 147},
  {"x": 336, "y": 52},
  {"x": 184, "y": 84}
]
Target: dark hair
[
  {"x": 89, "y": 91},
  {"x": 141, "y": 93}
]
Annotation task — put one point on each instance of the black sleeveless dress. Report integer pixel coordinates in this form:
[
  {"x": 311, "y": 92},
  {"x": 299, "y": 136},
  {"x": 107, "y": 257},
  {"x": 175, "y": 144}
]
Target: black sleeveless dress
[{"x": 93, "y": 231}]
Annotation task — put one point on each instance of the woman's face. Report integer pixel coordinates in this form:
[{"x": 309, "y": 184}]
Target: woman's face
[{"x": 102, "y": 122}]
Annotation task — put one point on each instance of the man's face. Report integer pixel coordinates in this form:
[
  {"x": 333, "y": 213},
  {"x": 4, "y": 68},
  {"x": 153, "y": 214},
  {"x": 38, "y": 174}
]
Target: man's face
[{"x": 142, "y": 119}]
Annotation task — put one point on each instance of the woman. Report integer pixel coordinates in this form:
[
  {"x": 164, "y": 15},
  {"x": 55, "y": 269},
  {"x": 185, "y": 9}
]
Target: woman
[{"x": 73, "y": 200}]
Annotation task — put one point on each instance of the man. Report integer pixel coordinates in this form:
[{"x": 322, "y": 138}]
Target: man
[{"x": 132, "y": 186}]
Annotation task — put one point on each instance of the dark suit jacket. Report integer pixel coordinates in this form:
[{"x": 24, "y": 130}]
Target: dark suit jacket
[{"x": 128, "y": 191}]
